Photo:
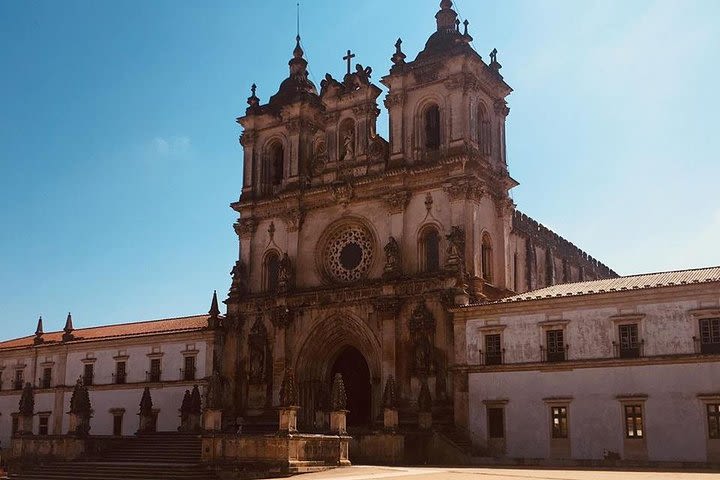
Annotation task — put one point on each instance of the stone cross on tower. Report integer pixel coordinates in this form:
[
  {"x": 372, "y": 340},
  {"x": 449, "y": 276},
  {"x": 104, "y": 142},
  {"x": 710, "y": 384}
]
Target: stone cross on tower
[{"x": 349, "y": 58}]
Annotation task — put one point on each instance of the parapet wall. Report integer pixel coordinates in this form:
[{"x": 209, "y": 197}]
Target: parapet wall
[{"x": 543, "y": 237}]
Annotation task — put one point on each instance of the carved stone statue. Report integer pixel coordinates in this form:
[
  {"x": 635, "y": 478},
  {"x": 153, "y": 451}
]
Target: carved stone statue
[
  {"x": 456, "y": 249},
  {"x": 238, "y": 288},
  {"x": 422, "y": 327},
  {"x": 348, "y": 144},
  {"x": 422, "y": 356},
  {"x": 393, "y": 265},
  {"x": 284, "y": 274},
  {"x": 214, "y": 394},
  {"x": 258, "y": 351}
]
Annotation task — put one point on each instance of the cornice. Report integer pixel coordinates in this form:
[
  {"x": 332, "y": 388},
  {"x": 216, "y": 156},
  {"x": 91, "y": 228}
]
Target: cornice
[
  {"x": 617, "y": 298},
  {"x": 543, "y": 367}
]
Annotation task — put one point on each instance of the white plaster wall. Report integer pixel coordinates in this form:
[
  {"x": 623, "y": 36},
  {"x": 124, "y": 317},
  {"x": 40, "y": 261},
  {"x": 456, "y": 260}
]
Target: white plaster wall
[
  {"x": 666, "y": 328},
  {"x": 104, "y": 395},
  {"x": 674, "y": 417},
  {"x": 138, "y": 361}
]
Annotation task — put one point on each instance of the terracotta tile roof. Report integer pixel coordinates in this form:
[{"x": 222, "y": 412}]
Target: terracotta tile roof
[
  {"x": 631, "y": 282},
  {"x": 137, "y": 329}
]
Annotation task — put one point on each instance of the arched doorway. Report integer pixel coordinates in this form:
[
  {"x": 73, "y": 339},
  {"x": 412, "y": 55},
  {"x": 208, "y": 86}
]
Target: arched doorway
[{"x": 351, "y": 364}]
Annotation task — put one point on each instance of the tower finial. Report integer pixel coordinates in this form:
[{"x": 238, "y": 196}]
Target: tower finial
[
  {"x": 446, "y": 17},
  {"x": 399, "y": 57},
  {"x": 298, "y": 19},
  {"x": 68, "y": 330},
  {"x": 214, "y": 309},
  {"x": 39, "y": 332},
  {"x": 68, "y": 324}
]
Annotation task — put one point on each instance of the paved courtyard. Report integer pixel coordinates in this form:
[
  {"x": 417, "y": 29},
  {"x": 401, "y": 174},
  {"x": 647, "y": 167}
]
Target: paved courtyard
[{"x": 423, "y": 473}]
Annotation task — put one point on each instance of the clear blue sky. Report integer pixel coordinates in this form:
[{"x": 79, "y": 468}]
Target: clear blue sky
[{"x": 119, "y": 152}]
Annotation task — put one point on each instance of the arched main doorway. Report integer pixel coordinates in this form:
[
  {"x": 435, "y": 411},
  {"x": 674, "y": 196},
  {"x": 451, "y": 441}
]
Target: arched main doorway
[
  {"x": 344, "y": 344},
  {"x": 351, "y": 364}
]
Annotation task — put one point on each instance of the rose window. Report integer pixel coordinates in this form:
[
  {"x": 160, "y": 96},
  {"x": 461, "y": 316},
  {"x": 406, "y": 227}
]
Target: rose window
[{"x": 348, "y": 254}]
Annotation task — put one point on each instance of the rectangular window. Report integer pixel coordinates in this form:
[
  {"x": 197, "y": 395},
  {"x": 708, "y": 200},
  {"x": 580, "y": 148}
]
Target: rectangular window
[
  {"x": 633, "y": 421},
  {"x": 713, "y": 418},
  {"x": 15, "y": 425},
  {"x": 120, "y": 373},
  {"x": 493, "y": 349},
  {"x": 710, "y": 335},
  {"x": 43, "y": 425},
  {"x": 154, "y": 370},
  {"x": 19, "y": 380},
  {"x": 555, "y": 345},
  {"x": 559, "y": 422},
  {"x": 88, "y": 374},
  {"x": 629, "y": 341},
  {"x": 46, "y": 378},
  {"x": 117, "y": 425},
  {"x": 496, "y": 422},
  {"x": 189, "y": 371}
]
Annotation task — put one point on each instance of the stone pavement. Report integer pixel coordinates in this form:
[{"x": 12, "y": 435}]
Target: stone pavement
[{"x": 461, "y": 473}]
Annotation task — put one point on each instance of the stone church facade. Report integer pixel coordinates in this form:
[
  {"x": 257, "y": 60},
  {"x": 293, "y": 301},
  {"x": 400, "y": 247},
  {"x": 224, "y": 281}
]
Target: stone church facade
[
  {"x": 353, "y": 246},
  {"x": 403, "y": 260}
]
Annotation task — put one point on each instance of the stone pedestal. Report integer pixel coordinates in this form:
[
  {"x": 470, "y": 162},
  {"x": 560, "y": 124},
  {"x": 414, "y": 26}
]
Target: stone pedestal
[
  {"x": 288, "y": 419},
  {"x": 212, "y": 420},
  {"x": 425, "y": 420},
  {"x": 390, "y": 419},
  {"x": 147, "y": 424},
  {"x": 78, "y": 424},
  {"x": 338, "y": 422},
  {"x": 25, "y": 425},
  {"x": 194, "y": 422}
]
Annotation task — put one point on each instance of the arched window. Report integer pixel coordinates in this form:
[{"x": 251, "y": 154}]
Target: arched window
[
  {"x": 432, "y": 127},
  {"x": 271, "y": 268},
  {"x": 430, "y": 250},
  {"x": 346, "y": 141},
  {"x": 484, "y": 134},
  {"x": 486, "y": 258},
  {"x": 277, "y": 164}
]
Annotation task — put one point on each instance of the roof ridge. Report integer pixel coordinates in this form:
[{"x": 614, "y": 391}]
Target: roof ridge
[{"x": 157, "y": 320}]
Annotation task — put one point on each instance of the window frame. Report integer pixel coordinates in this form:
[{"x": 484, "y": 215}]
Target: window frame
[
  {"x": 486, "y": 257},
  {"x": 559, "y": 429},
  {"x": 46, "y": 379},
  {"x": 432, "y": 143},
  {"x": 271, "y": 273},
  {"x": 88, "y": 374},
  {"x": 555, "y": 352},
  {"x": 426, "y": 266},
  {"x": 499, "y": 404},
  {"x": 189, "y": 377},
  {"x": 43, "y": 417},
  {"x": 634, "y": 421}
]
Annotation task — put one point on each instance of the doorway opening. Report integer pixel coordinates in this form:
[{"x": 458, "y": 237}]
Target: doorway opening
[{"x": 351, "y": 364}]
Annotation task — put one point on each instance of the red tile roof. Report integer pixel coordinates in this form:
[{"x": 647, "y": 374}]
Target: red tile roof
[
  {"x": 631, "y": 282},
  {"x": 137, "y": 329}
]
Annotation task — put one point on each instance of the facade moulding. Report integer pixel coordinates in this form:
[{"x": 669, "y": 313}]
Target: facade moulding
[
  {"x": 543, "y": 367},
  {"x": 597, "y": 299}
]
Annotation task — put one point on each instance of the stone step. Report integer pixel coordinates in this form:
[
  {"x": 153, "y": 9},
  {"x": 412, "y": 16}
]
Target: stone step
[{"x": 114, "y": 471}]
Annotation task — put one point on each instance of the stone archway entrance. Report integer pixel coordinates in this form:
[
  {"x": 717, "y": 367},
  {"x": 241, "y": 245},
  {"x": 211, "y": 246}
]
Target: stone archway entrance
[
  {"x": 351, "y": 364},
  {"x": 338, "y": 344}
]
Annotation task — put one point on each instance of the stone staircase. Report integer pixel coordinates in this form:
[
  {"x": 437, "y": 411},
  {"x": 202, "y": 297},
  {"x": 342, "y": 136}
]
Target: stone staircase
[{"x": 158, "y": 456}]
